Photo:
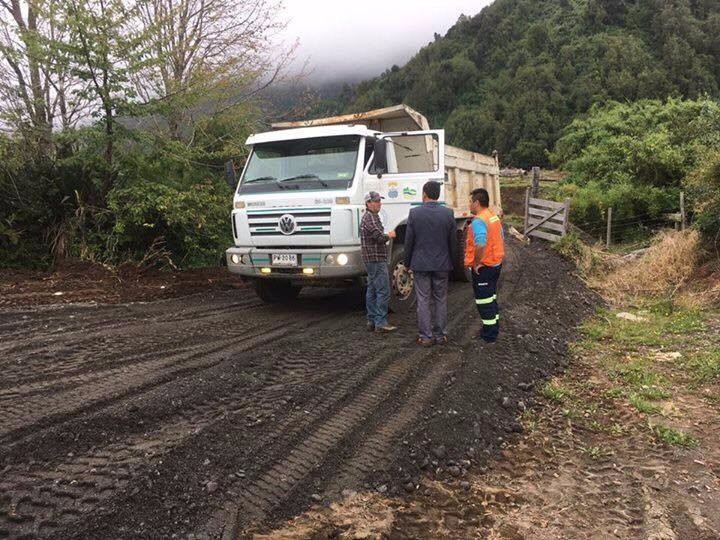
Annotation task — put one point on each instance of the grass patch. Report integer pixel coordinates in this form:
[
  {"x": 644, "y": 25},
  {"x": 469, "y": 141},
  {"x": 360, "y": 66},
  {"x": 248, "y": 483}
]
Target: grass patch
[
  {"x": 705, "y": 366},
  {"x": 614, "y": 392},
  {"x": 575, "y": 250},
  {"x": 595, "y": 452},
  {"x": 637, "y": 375},
  {"x": 555, "y": 392},
  {"x": 642, "y": 405},
  {"x": 673, "y": 437},
  {"x": 661, "y": 328}
]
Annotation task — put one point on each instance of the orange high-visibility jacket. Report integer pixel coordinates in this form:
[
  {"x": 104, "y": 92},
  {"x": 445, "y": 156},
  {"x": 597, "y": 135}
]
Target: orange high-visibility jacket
[{"x": 485, "y": 230}]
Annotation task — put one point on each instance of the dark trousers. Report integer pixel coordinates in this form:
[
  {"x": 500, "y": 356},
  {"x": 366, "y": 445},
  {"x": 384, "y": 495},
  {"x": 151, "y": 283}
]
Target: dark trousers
[
  {"x": 431, "y": 290},
  {"x": 485, "y": 287}
]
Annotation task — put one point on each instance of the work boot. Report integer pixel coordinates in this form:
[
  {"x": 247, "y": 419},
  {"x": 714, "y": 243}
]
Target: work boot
[
  {"x": 441, "y": 340},
  {"x": 424, "y": 342},
  {"x": 385, "y": 329}
]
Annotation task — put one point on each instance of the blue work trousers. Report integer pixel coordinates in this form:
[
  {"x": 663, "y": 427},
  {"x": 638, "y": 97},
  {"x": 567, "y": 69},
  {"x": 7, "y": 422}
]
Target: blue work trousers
[{"x": 485, "y": 288}]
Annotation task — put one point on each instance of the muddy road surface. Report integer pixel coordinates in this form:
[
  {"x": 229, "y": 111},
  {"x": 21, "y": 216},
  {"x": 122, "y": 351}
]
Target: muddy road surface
[{"x": 212, "y": 415}]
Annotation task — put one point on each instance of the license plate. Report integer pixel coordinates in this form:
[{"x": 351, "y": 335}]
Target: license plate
[{"x": 284, "y": 259}]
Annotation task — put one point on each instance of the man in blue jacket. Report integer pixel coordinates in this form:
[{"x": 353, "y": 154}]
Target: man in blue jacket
[{"x": 430, "y": 244}]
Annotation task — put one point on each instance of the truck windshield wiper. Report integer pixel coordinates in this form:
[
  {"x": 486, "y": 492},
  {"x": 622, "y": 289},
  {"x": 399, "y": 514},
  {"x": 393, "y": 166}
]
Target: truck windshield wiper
[
  {"x": 259, "y": 179},
  {"x": 305, "y": 177}
]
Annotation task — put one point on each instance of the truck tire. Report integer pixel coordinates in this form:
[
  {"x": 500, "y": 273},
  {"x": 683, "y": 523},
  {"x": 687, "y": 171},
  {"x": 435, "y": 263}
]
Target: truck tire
[
  {"x": 274, "y": 291},
  {"x": 460, "y": 273},
  {"x": 402, "y": 293}
]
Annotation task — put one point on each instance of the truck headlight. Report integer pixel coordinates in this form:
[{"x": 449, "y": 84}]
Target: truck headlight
[
  {"x": 330, "y": 259},
  {"x": 239, "y": 205},
  {"x": 235, "y": 258},
  {"x": 342, "y": 259}
]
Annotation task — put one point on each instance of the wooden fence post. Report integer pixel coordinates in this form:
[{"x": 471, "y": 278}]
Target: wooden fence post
[
  {"x": 566, "y": 221},
  {"x": 609, "y": 228},
  {"x": 527, "y": 210},
  {"x": 683, "y": 220},
  {"x": 535, "y": 181}
]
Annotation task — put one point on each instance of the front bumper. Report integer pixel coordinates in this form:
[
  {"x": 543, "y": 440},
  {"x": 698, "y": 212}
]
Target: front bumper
[{"x": 253, "y": 260}]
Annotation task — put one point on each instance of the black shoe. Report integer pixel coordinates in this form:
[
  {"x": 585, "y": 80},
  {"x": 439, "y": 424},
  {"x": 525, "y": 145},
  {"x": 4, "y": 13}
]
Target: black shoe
[
  {"x": 370, "y": 326},
  {"x": 442, "y": 340}
]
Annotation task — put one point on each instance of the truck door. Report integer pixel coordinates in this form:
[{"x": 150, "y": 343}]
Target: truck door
[{"x": 412, "y": 158}]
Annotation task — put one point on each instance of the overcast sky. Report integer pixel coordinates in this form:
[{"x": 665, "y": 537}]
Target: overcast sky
[{"x": 353, "y": 40}]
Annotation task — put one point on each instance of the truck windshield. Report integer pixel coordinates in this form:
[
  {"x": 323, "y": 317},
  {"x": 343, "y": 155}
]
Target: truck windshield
[{"x": 302, "y": 164}]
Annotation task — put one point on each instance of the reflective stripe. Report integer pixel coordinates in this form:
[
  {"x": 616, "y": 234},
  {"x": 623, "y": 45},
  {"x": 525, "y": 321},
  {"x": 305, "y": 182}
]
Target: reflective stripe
[
  {"x": 491, "y": 322},
  {"x": 494, "y": 219},
  {"x": 483, "y": 301}
]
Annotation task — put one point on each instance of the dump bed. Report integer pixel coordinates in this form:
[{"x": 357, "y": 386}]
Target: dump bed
[{"x": 464, "y": 170}]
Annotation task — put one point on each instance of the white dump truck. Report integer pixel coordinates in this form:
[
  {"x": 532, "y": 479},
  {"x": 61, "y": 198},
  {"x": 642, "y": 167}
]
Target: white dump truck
[{"x": 299, "y": 200}]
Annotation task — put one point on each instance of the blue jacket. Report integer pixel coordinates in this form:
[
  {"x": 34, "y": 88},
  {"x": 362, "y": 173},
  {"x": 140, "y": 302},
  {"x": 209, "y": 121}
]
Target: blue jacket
[{"x": 430, "y": 238}]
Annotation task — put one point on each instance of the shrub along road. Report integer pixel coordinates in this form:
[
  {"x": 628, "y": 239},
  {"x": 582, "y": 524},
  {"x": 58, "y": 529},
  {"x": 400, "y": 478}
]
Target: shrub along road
[{"x": 213, "y": 413}]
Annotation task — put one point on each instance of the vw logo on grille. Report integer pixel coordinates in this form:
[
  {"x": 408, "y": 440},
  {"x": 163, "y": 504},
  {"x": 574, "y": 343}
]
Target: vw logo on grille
[{"x": 287, "y": 224}]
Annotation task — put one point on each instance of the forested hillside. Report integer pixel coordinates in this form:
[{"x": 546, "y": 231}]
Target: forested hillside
[{"x": 511, "y": 77}]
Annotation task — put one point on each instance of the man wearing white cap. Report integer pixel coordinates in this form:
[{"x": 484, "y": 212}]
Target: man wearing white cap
[{"x": 374, "y": 255}]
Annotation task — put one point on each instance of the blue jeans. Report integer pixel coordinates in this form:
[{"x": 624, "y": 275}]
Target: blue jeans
[{"x": 378, "y": 293}]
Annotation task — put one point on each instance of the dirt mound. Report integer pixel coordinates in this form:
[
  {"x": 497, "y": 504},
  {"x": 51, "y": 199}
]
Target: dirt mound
[{"x": 77, "y": 281}]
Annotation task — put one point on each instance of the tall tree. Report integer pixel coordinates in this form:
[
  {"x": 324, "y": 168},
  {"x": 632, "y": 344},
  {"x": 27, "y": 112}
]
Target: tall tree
[
  {"x": 24, "y": 85},
  {"x": 200, "y": 46},
  {"x": 105, "y": 49}
]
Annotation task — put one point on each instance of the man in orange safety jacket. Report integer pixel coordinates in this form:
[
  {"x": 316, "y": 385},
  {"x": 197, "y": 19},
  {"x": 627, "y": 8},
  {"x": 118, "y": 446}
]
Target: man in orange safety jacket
[{"x": 484, "y": 253}]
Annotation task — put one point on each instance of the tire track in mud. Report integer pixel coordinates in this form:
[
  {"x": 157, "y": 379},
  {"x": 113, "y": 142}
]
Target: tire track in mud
[
  {"x": 69, "y": 360},
  {"x": 332, "y": 426},
  {"x": 122, "y": 318},
  {"x": 45, "y": 501},
  {"x": 339, "y": 381},
  {"x": 271, "y": 488},
  {"x": 93, "y": 389},
  {"x": 375, "y": 446}
]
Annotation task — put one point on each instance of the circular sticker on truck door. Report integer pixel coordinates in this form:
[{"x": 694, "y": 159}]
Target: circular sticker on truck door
[{"x": 393, "y": 192}]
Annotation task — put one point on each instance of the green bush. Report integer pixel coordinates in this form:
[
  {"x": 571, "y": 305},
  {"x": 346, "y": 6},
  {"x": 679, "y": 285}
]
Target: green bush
[
  {"x": 167, "y": 198},
  {"x": 633, "y": 157},
  {"x": 648, "y": 142},
  {"x": 633, "y": 205},
  {"x": 192, "y": 224},
  {"x": 703, "y": 186}
]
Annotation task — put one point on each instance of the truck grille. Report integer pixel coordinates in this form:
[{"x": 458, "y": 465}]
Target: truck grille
[{"x": 304, "y": 223}]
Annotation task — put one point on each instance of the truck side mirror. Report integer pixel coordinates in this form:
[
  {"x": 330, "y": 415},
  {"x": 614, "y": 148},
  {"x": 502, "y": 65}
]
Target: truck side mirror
[
  {"x": 380, "y": 165},
  {"x": 230, "y": 174}
]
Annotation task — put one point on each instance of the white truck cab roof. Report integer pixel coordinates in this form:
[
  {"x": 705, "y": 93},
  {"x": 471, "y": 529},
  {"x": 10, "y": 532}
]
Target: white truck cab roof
[{"x": 310, "y": 133}]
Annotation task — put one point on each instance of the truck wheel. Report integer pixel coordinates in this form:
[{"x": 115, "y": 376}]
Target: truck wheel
[
  {"x": 275, "y": 291},
  {"x": 460, "y": 273},
  {"x": 402, "y": 293}
]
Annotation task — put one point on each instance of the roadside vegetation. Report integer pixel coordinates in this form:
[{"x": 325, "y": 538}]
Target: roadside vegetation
[{"x": 115, "y": 121}]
